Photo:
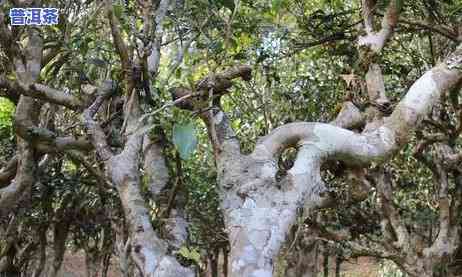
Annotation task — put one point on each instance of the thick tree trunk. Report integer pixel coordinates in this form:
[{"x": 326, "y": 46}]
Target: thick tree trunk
[
  {"x": 55, "y": 253},
  {"x": 258, "y": 209},
  {"x": 258, "y": 212},
  {"x": 148, "y": 251}
]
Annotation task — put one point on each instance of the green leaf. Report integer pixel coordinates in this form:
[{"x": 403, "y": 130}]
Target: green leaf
[
  {"x": 229, "y": 4},
  {"x": 6, "y": 114},
  {"x": 276, "y": 5},
  {"x": 216, "y": 47},
  {"x": 223, "y": 3},
  {"x": 184, "y": 139},
  {"x": 191, "y": 254},
  {"x": 178, "y": 72},
  {"x": 118, "y": 10}
]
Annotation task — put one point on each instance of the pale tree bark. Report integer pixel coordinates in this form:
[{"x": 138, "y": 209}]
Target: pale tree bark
[
  {"x": 370, "y": 45},
  {"x": 156, "y": 178},
  {"x": 31, "y": 138},
  {"x": 123, "y": 169},
  {"x": 55, "y": 253},
  {"x": 258, "y": 209},
  {"x": 414, "y": 253},
  {"x": 27, "y": 71},
  {"x": 8, "y": 171},
  {"x": 253, "y": 201},
  {"x": 147, "y": 249},
  {"x": 302, "y": 254},
  {"x": 446, "y": 242}
]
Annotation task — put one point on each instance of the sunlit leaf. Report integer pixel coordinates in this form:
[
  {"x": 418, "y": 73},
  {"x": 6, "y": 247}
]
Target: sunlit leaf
[
  {"x": 184, "y": 139},
  {"x": 191, "y": 254},
  {"x": 276, "y": 5},
  {"x": 118, "y": 10}
]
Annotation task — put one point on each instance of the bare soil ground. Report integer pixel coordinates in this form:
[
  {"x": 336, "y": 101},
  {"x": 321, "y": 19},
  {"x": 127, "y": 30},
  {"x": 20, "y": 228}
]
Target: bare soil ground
[
  {"x": 74, "y": 266},
  {"x": 362, "y": 267}
]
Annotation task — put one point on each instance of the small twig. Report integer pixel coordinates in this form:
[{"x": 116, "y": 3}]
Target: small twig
[
  {"x": 98, "y": 136},
  {"x": 169, "y": 104},
  {"x": 71, "y": 127},
  {"x": 110, "y": 119},
  {"x": 176, "y": 186},
  {"x": 213, "y": 131},
  {"x": 139, "y": 128},
  {"x": 93, "y": 171}
]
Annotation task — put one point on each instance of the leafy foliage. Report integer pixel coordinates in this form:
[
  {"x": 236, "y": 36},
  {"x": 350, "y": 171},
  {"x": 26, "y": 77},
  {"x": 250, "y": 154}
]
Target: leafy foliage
[
  {"x": 6, "y": 117},
  {"x": 298, "y": 50}
]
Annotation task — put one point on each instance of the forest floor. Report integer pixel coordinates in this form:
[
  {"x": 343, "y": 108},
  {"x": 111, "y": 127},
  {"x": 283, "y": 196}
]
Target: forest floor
[
  {"x": 74, "y": 266},
  {"x": 362, "y": 267}
]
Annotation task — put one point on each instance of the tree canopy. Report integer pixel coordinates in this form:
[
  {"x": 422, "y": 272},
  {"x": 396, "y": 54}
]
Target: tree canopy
[{"x": 231, "y": 137}]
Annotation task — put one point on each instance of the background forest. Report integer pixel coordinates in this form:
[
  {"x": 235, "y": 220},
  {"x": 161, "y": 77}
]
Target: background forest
[{"x": 118, "y": 132}]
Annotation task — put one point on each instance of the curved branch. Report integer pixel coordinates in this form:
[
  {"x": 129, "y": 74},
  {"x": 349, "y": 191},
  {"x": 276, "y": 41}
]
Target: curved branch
[
  {"x": 25, "y": 178},
  {"x": 439, "y": 29},
  {"x": 97, "y": 135},
  {"x": 377, "y": 144},
  {"x": 259, "y": 210},
  {"x": 122, "y": 49},
  {"x": 349, "y": 117},
  {"x": 376, "y": 40},
  {"x": 54, "y": 96},
  {"x": 153, "y": 60},
  {"x": 149, "y": 252},
  {"x": 219, "y": 127},
  {"x": 8, "y": 171}
]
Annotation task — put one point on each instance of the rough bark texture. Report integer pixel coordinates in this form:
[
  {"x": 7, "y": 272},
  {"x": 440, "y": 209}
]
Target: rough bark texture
[
  {"x": 148, "y": 251},
  {"x": 55, "y": 253},
  {"x": 260, "y": 210}
]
